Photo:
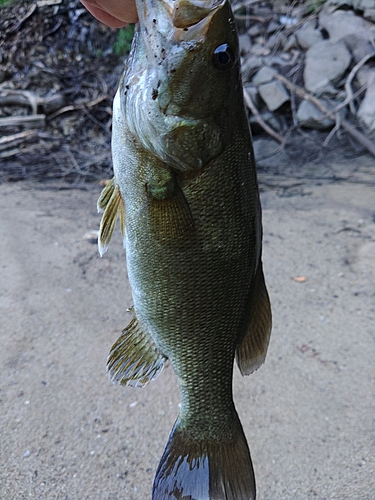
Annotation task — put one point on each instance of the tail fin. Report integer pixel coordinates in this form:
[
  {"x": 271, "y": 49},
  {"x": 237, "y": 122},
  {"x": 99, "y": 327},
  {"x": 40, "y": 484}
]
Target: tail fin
[{"x": 205, "y": 470}]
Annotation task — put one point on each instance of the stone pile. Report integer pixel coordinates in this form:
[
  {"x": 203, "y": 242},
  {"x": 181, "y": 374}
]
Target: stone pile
[{"x": 311, "y": 66}]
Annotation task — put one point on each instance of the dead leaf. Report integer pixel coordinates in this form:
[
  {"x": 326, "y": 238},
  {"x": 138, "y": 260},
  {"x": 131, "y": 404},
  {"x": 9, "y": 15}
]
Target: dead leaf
[
  {"x": 299, "y": 279},
  {"x": 91, "y": 236},
  {"x": 104, "y": 182}
]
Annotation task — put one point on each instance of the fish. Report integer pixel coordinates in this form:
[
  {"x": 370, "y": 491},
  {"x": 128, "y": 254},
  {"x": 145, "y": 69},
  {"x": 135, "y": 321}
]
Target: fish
[{"x": 186, "y": 195}]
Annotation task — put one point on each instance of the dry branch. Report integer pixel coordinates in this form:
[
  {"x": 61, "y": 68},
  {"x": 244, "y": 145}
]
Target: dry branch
[
  {"x": 15, "y": 139},
  {"x": 48, "y": 3},
  {"x": 25, "y": 98},
  {"x": 29, "y": 121}
]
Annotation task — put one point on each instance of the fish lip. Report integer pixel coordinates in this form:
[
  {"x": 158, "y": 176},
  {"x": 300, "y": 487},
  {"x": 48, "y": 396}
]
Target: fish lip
[{"x": 188, "y": 19}]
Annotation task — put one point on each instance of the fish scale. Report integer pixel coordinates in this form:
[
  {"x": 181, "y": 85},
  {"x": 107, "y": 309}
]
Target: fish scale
[{"x": 185, "y": 189}]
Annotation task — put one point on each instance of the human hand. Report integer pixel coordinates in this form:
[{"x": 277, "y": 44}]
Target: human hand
[{"x": 113, "y": 13}]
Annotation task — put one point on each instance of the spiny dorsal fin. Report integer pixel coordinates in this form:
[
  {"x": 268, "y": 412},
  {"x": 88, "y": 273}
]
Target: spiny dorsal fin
[
  {"x": 253, "y": 349},
  {"x": 134, "y": 359},
  {"x": 111, "y": 203}
]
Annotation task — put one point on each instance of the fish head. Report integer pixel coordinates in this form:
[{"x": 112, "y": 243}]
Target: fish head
[{"x": 181, "y": 88}]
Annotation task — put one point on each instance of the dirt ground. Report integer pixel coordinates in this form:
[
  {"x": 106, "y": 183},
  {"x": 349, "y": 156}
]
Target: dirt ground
[{"x": 308, "y": 413}]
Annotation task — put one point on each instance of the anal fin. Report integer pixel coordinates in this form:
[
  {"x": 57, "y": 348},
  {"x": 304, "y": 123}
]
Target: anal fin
[
  {"x": 111, "y": 203},
  {"x": 253, "y": 349},
  {"x": 134, "y": 359}
]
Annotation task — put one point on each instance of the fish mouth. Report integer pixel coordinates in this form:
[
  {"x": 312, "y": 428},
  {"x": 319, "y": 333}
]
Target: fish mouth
[
  {"x": 187, "y": 13},
  {"x": 187, "y": 20}
]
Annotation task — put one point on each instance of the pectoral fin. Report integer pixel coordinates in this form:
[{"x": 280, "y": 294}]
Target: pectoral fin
[
  {"x": 111, "y": 203},
  {"x": 170, "y": 216},
  {"x": 105, "y": 195},
  {"x": 253, "y": 349},
  {"x": 134, "y": 359}
]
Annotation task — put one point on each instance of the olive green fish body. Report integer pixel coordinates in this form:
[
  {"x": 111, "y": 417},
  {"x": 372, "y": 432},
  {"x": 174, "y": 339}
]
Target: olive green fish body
[{"x": 186, "y": 191}]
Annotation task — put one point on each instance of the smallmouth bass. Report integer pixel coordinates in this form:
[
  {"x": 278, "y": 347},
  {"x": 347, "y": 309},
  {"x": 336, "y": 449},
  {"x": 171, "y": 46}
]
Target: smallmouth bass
[{"x": 185, "y": 190}]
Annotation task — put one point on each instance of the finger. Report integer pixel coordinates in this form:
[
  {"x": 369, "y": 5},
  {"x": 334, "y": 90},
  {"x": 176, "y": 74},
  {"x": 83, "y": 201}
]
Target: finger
[{"x": 113, "y": 13}]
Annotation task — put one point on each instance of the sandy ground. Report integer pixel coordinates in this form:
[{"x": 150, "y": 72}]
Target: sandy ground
[{"x": 69, "y": 434}]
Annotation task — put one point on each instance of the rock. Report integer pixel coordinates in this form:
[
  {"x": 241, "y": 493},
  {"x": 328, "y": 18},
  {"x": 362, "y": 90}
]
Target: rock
[
  {"x": 251, "y": 64},
  {"x": 253, "y": 93},
  {"x": 365, "y": 75},
  {"x": 342, "y": 23},
  {"x": 308, "y": 35},
  {"x": 274, "y": 94},
  {"x": 255, "y": 30},
  {"x": 265, "y": 147},
  {"x": 267, "y": 153},
  {"x": 275, "y": 40},
  {"x": 309, "y": 116},
  {"x": 260, "y": 40},
  {"x": 282, "y": 59},
  {"x": 259, "y": 50},
  {"x": 264, "y": 75},
  {"x": 299, "y": 11},
  {"x": 369, "y": 14},
  {"x": 358, "y": 46},
  {"x": 366, "y": 4},
  {"x": 245, "y": 44},
  {"x": 272, "y": 27},
  {"x": 366, "y": 111},
  {"x": 290, "y": 42},
  {"x": 326, "y": 62}
]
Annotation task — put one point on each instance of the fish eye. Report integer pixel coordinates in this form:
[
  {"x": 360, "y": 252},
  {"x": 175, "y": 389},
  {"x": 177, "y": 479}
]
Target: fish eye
[{"x": 223, "y": 57}]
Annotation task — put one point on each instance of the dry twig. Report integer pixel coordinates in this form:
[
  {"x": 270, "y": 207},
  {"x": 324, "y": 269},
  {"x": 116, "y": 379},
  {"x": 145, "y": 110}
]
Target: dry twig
[
  {"x": 348, "y": 83},
  {"x": 249, "y": 103},
  {"x": 86, "y": 105}
]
